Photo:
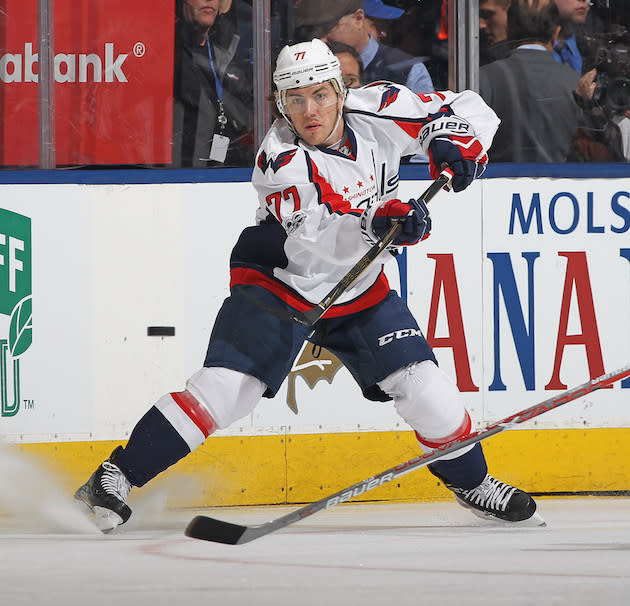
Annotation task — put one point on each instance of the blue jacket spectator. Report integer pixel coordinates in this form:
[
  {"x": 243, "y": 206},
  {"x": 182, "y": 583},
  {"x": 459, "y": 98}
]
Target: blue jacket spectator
[{"x": 344, "y": 21}]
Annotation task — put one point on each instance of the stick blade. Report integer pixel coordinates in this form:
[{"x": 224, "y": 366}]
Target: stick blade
[
  {"x": 218, "y": 531},
  {"x": 308, "y": 317}
]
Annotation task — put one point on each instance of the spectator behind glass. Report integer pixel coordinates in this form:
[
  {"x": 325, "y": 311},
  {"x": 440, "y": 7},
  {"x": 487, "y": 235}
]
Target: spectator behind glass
[
  {"x": 603, "y": 94},
  {"x": 493, "y": 42},
  {"x": 379, "y": 17},
  {"x": 212, "y": 98},
  {"x": 344, "y": 21},
  {"x": 570, "y": 45},
  {"x": 349, "y": 62},
  {"x": 530, "y": 91}
]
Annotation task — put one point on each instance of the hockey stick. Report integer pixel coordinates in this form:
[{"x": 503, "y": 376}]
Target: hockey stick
[
  {"x": 309, "y": 317},
  {"x": 211, "y": 529}
]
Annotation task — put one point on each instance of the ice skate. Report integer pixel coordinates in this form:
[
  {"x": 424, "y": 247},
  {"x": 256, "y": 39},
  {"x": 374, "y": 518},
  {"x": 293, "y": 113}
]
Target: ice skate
[
  {"x": 105, "y": 494},
  {"x": 494, "y": 499}
]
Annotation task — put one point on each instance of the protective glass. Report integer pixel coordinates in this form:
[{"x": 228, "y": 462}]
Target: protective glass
[
  {"x": 351, "y": 81},
  {"x": 619, "y": 94}
]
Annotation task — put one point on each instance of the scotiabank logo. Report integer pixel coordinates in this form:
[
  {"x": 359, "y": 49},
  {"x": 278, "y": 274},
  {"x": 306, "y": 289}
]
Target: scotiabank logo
[{"x": 69, "y": 67}]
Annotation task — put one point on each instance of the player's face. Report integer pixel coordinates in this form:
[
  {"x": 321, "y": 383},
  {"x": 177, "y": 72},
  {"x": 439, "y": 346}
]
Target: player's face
[
  {"x": 201, "y": 12},
  {"x": 313, "y": 111},
  {"x": 573, "y": 10},
  {"x": 493, "y": 20},
  {"x": 350, "y": 70}
]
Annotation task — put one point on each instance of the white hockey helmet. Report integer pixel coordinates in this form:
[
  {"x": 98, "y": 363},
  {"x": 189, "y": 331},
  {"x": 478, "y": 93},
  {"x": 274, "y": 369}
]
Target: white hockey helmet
[{"x": 305, "y": 64}]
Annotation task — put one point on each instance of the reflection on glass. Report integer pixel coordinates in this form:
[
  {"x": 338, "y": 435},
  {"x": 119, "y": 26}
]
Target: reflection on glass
[
  {"x": 558, "y": 76},
  {"x": 212, "y": 98},
  {"x": 174, "y": 87}
]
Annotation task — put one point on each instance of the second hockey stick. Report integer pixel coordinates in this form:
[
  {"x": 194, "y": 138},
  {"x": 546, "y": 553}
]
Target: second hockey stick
[{"x": 219, "y": 531}]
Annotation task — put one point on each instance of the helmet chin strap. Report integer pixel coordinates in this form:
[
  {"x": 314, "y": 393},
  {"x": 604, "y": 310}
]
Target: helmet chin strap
[{"x": 334, "y": 128}]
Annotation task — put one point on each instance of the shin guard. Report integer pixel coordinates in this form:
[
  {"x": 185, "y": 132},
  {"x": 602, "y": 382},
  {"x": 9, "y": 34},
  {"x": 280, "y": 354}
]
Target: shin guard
[{"x": 169, "y": 431}]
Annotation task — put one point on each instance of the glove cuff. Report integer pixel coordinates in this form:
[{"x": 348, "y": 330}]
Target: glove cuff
[
  {"x": 366, "y": 221},
  {"x": 444, "y": 127}
]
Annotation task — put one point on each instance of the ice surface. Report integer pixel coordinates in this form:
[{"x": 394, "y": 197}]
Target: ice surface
[{"x": 364, "y": 554}]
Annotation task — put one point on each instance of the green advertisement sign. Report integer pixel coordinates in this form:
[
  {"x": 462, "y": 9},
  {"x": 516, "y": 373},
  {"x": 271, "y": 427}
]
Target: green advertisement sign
[{"x": 16, "y": 303}]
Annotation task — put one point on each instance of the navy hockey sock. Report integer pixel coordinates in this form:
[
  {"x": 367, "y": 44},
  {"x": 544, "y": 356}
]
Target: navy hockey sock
[
  {"x": 466, "y": 472},
  {"x": 154, "y": 445}
]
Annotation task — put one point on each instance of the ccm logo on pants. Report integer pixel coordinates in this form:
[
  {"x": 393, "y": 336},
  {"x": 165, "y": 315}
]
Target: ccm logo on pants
[{"x": 399, "y": 334}]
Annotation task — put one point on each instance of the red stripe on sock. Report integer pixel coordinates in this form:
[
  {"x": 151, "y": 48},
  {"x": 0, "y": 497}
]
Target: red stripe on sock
[
  {"x": 460, "y": 432},
  {"x": 197, "y": 413}
]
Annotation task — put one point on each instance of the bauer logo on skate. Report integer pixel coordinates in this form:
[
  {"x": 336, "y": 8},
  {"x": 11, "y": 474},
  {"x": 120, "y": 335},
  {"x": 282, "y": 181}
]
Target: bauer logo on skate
[{"x": 15, "y": 305}]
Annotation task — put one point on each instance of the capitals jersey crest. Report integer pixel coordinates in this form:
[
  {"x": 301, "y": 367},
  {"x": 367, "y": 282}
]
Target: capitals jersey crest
[
  {"x": 390, "y": 94},
  {"x": 282, "y": 159}
]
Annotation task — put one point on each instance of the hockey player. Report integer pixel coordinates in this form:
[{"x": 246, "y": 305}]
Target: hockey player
[{"x": 326, "y": 176}]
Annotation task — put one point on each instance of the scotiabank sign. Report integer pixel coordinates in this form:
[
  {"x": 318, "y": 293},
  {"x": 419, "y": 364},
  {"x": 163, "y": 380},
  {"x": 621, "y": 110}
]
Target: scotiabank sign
[{"x": 113, "y": 82}]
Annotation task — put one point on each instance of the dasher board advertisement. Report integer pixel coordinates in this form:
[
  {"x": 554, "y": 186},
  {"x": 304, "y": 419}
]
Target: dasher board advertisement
[{"x": 113, "y": 71}]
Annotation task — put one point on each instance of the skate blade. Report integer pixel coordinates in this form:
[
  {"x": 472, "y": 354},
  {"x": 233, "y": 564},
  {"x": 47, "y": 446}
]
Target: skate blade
[
  {"x": 534, "y": 521},
  {"x": 105, "y": 519}
]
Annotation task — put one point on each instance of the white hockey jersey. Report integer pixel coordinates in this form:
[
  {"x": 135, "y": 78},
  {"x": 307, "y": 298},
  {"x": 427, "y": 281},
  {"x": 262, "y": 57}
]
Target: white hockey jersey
[{"x": 316, "y": 203}]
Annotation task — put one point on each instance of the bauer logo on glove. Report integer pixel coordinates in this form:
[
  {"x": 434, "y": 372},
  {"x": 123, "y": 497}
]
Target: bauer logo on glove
[
  {"x": 414, "y": 216},
  {"x": 460, "y": 127},
  {"x": 448, "y": 143}
]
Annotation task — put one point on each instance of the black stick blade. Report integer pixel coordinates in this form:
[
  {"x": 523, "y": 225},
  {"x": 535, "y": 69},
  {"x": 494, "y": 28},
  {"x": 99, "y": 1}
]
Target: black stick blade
[
  {"x": 209, "y": 529},
  {"x": 308, "y": 317}
]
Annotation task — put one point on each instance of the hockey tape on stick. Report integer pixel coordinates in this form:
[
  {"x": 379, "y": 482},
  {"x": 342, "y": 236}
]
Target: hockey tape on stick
[
  {"x": 309, "y": 317},
  {"x": 211, "y": 529}
]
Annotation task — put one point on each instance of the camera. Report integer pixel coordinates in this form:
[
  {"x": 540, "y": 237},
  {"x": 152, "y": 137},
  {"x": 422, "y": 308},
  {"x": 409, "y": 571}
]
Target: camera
[{"x": 612, "y": 61}]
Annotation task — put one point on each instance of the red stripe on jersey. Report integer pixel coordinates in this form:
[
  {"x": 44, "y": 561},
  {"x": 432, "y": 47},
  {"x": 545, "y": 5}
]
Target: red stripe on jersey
[
  {"x": 373, "y": 295},
  {"x": 195, "y": 411},
  {"x": 411, "y": 128},
  {"x": 335, "y": 201},
  {"x": 462, "y": 431}
]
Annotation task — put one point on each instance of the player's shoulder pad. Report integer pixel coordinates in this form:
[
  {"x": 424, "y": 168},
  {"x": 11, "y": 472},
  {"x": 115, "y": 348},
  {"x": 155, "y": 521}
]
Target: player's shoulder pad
[
  {"x": 380, "y": 97},
  {"x": 278, "y": 150}
]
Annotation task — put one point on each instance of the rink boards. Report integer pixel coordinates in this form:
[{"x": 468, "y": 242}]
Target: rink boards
[{"x": 523, "y": 289}]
